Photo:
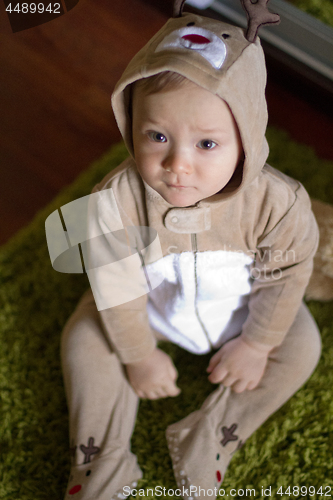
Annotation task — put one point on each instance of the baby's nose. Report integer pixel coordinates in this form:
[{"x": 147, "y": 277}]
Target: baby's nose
[{"x": 177, "y": 162}]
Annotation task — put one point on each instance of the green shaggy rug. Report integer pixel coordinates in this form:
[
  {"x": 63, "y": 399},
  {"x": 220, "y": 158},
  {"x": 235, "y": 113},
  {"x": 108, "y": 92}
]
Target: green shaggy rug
[{"x": 293, "y": 448}]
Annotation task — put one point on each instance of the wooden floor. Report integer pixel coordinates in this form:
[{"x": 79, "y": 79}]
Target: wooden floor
[{"x": 55, "y": 86}]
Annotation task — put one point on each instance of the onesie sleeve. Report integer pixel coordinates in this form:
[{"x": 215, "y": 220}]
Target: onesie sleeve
[
  {"x": 281, "y": 271},
  {"x": 117, "y": 253}
]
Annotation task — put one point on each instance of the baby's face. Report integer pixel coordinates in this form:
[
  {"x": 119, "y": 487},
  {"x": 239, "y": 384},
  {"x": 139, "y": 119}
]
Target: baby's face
[{"x": 186, "y": 143}]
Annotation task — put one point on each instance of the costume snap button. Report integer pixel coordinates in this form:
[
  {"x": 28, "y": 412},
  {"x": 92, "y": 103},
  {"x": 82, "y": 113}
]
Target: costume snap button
[{"x": 174, "y": 220}]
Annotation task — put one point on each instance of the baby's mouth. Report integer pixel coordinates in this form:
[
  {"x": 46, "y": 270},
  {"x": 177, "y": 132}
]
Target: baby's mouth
[{"x": 178, "y": 186}]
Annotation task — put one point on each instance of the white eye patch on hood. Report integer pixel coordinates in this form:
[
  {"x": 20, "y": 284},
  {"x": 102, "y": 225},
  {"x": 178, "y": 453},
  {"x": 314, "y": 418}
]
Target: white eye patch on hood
[{"x": 203, "y": 41}]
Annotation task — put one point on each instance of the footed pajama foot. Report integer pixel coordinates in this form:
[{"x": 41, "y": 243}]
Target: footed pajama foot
[
  {"x": 199, "y": 456},
  {"x": 103, "y": 478}
]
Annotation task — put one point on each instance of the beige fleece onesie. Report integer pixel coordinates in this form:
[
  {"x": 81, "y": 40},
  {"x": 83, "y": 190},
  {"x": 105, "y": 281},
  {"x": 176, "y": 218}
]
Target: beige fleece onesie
[{"x": 238, "y": 262}]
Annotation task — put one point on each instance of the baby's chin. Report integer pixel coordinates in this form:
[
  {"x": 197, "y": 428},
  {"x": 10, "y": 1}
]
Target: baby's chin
[
  {"x": 181, "y": 199},
  {"x": 177, "y": 197}
]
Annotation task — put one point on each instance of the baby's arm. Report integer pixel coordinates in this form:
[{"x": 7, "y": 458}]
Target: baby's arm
[
  {"x": 153, "y": 377},
  {"x": 239, "y": 364}
]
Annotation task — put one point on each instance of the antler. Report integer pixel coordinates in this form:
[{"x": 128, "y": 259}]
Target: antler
[
  {"x": 178, "y": 8},
  {"x": 258, "y": 15}
]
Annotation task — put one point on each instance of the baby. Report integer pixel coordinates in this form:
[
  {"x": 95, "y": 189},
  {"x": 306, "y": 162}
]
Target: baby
[{"x": 237, "y": 239}]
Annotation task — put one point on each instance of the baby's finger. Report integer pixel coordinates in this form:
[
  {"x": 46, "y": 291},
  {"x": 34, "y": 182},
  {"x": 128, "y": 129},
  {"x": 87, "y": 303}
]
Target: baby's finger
[
  {"x": 239, "y": 386},
  {"x": 162, "y": 393},
  {"x": 153, "y": 395},
  {"x": 218, "y": 374},
  {"x": 173, "y": 373},
  {"x": 252, "y": 385},
  {"x": 214, "y": 361},
  {"x": 172, "y": 390},
  {"x": 228, "y": 380}
]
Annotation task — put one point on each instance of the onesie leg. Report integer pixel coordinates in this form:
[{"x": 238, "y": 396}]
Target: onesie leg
[
  {"x": 201, "y": 445},
  {"x": 102, "y": 410}
]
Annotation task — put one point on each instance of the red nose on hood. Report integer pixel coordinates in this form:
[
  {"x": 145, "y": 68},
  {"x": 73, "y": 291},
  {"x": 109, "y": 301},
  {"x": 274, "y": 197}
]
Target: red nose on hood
[
  {"x": 75, "y": 489},
  {"x": 196, "y": 38}
]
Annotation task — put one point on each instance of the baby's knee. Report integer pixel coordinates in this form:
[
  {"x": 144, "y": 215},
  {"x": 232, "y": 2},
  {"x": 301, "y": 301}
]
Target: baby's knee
[
  {"x": 307, "y": 341},
  {"x": 82, "y": 337},
  {"x": 311, "y": 349}
]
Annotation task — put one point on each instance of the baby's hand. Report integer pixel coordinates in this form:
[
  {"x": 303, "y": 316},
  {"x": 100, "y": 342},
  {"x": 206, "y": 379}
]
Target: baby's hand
[
  {"x": 154, "y": 377},
  {"x": 239, "y": 364}
]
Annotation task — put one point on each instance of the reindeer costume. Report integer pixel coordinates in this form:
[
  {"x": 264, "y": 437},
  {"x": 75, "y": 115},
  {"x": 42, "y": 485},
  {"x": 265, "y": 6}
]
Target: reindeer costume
[{"x": 208, "y": 295}]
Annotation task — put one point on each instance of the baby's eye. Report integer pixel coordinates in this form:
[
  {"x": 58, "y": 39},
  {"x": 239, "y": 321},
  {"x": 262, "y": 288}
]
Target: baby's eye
[
  {"x": 207, "y": 144},
  {"x": 157, "y": 137}
]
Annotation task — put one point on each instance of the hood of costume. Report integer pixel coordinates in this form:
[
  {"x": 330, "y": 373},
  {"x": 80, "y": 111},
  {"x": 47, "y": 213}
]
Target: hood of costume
[
  {"x": 217, "y": 57},
  {"x": 235, "y": 262}
]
